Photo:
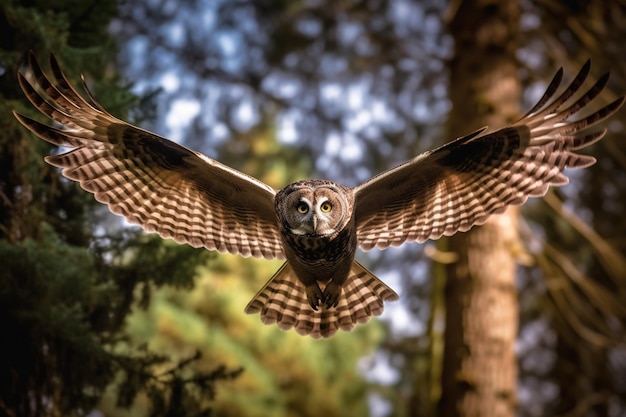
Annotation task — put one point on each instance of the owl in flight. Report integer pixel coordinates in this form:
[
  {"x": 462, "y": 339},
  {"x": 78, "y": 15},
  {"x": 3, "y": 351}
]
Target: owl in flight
[{"x": 316, "y": 225}]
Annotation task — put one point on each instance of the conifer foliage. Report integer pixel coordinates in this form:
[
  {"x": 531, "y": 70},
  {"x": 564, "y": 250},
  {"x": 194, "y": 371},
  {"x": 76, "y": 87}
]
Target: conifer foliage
[{"x": 67, "y": 283}]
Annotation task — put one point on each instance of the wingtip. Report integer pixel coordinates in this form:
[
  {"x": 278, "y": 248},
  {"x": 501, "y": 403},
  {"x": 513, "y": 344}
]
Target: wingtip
[
  {"x": 584, "y": 71},
  {"x": 587, "y": 65},
  {"x": 26, "y": 121},
  {"x": 32, "y": 60},
  {"x": 54, "y": 62},
  {"x": 22, "y": 81},
  {"x": 603, "y": 79},
  {"x": 19, "y": 116},
  {"x": 614, "y": 106},
  {"x": 558, "y": 76}
]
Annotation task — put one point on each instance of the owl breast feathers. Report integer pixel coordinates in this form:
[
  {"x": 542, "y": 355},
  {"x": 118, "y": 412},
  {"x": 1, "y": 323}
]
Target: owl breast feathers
[{"x": 316, "y": 225}]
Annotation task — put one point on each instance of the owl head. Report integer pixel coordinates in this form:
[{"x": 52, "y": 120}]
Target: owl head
[{"x": 314, "y": 207}]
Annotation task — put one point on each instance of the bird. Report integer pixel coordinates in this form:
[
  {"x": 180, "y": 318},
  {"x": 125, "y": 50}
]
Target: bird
[{"x": 315, "y": 225}]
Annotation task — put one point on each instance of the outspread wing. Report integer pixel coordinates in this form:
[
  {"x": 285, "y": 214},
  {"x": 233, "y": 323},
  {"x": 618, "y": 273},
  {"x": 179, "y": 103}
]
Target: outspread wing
[
  {"x": 461, "y": 184},
  {"x": 152, "y": 181}
]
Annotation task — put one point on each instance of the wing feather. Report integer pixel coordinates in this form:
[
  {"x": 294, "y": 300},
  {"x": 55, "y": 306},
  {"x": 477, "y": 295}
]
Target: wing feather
[
  {"x": 151, "y": 181},
  {"x": 462, "y": 183}
]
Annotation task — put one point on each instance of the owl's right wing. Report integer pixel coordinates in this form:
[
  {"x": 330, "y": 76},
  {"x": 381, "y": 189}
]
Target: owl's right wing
[
  {"x": 462, "y": 183},
  {"x": 152, "y": 181}
]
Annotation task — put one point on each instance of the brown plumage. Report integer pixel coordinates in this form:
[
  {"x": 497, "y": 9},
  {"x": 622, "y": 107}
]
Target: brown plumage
[{"x": 315, "y": 224}]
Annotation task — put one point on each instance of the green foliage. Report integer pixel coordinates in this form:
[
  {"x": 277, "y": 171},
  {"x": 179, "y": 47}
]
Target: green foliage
[
  {"x": 284, "y": 374},
  {"x": 44, "y": 302},
  {"x": 49, "y": 288},
  {"x": 65, "y": 293}
]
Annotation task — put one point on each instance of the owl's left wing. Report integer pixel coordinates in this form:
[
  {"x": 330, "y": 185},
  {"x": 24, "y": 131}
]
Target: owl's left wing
[
  {"x": 152, "y": 181},
  {"x": 462, "y": 183}
]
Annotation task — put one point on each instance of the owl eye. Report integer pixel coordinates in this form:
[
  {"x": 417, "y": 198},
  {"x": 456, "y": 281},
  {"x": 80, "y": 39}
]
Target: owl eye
[
  {"x": 326, "y": 207},
  {"x": 302, "y": 208}
]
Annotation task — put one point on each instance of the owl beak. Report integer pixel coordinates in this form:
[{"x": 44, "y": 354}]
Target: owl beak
[
  {"x": 310, "y": 227},
  {"x": 307, "y": 228}
]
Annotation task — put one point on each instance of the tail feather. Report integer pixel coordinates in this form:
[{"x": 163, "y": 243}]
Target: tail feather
[{"x": 283, "y": 301}]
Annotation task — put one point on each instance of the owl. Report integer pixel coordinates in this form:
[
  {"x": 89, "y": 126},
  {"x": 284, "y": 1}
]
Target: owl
[{"x": 315, "y": 225}]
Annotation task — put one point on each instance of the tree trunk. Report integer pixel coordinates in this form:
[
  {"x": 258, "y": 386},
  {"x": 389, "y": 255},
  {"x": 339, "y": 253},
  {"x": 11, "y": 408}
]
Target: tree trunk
[{"x": 480, "y": 370}]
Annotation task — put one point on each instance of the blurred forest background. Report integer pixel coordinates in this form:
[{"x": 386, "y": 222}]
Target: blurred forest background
[{"x": 99, "y": 319}]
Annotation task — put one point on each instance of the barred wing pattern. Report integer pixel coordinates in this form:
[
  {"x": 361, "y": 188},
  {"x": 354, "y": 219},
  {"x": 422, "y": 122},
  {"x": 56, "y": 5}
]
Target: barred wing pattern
[
  {"x": 152, "y": 181},
  {"x": 283, "y": 301},
  {"x": 461, "y": 184},
  {"x": 186, "y": 196}
]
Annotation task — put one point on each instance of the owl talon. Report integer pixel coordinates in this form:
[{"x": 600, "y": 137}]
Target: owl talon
[
  {"x": 314, "y": 295},
  {"x": 332, "y": 293}
]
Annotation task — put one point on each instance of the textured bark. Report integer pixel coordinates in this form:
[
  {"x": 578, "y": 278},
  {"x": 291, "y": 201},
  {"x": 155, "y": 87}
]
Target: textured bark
[{"x": 480, "y": 369}]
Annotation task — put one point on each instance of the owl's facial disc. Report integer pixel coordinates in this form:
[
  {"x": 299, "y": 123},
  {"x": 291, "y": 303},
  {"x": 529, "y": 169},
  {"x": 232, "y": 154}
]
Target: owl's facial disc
[
  {"x": 314, "y": 208},
  {"x": 313, "y": 217}
]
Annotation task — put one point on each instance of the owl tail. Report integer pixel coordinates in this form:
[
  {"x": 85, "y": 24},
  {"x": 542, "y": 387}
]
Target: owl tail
[{"x": 283, "y": 301}]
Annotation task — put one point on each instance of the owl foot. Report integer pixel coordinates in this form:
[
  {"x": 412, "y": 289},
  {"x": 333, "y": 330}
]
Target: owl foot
[
  {"x": 314, "y": 295},
  {"x": 332, "y": 293}
]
